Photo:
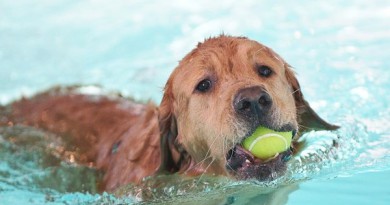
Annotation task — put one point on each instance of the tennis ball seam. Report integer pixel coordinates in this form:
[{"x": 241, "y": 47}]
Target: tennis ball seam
[{"x": 252, "y": 145}]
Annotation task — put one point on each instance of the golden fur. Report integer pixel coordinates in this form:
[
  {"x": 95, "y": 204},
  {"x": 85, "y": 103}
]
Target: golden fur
[{"x": 191, "y": 132}]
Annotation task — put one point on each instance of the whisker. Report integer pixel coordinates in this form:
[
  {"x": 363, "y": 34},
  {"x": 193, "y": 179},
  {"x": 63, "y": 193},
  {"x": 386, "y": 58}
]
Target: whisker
[
  {"x": 200, "y": 162},
  {"x": 296, "y": 91},
  {"x": 302, "y": 126},
  {"x": 301, "y": 106},
  {"x": 259, "y": 51},
  {"x": 208, "y": 166},
  {"x": 207, "y": 155}
]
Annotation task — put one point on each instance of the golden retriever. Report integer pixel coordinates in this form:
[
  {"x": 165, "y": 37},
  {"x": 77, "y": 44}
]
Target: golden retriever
[{"x": 218, "y": 95}]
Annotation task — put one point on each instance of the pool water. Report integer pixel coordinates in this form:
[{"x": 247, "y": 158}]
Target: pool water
[{"x": 339, "y": 49}]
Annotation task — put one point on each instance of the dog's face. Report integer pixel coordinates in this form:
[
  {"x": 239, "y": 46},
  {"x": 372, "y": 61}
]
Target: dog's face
[{"x": 217, "y": 96}]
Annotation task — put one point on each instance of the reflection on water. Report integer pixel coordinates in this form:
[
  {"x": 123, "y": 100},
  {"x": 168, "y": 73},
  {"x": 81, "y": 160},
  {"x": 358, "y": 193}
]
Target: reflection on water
[{"x": 174, "y": 189}]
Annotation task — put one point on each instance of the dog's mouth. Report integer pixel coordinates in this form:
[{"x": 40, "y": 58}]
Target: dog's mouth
[{"x": 243, "y": 165}]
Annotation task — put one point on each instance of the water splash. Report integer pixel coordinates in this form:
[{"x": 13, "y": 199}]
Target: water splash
[
  {"x": 347, "y": 151},
  {"x": 31, "y": 167}
]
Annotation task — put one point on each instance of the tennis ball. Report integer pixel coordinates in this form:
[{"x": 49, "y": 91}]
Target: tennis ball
[{"x": 265, "y": 143}]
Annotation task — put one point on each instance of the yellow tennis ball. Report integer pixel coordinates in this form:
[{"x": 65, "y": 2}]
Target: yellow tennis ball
[{"x": 265, "y": 143}]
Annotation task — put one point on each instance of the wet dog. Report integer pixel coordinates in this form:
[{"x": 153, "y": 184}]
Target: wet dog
[{"x": 216, "y": 97}]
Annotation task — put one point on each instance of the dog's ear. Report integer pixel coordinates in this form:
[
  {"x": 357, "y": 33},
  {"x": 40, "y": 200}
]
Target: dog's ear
[
  {"x": 173, "y": 156},
  {"x": 308, "y": 119}
]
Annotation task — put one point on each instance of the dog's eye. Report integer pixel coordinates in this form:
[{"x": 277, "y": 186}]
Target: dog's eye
[
  {"x": 264, "y": 70},
  {"x": 203, "y": 85}
]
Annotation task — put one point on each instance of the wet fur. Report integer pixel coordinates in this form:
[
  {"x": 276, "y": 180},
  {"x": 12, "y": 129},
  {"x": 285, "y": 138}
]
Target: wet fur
[{"x": 188, "y": 132}]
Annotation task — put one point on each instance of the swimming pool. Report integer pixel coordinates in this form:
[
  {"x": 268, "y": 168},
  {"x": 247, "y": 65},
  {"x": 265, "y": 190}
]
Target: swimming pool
[{"x": 339, "y": 49}]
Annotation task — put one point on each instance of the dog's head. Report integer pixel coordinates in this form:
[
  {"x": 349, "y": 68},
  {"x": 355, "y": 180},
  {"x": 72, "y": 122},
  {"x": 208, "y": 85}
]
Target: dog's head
[{"x": 217, "y": 96}]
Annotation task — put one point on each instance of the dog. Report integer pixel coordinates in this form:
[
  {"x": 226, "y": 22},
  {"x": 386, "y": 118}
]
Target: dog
[{"x": 216, "y": 97}]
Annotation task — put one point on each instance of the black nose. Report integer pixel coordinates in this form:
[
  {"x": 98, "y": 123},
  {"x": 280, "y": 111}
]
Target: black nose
[{"x": 252, "y": 102}]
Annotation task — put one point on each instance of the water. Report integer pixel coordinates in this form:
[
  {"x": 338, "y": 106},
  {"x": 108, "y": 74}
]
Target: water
[{"x": 339, "y": 49}]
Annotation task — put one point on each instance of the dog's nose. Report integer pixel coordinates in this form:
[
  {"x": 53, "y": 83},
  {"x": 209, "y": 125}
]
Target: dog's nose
[{"x": 252, "y": 102}]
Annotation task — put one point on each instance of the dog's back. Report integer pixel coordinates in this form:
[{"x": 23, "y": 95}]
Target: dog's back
[{"x": 111, "y": 133}]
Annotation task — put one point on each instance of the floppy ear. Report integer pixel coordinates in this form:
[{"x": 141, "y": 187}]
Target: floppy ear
[
  {"x": 308, "y": 119},
  {"x": 173, "y": 156}
]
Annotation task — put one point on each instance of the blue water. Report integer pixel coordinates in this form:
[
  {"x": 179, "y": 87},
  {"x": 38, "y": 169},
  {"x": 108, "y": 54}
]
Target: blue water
[{"x": 340, "y": 50}]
